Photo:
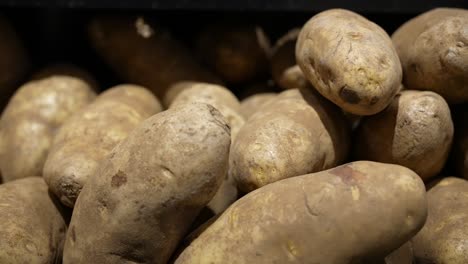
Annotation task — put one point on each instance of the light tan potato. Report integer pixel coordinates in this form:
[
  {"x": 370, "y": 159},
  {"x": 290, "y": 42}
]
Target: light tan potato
[
  {"x": 295, "y": 134},
  {"x": 350, "y": 214},
  {"x": 293, "y": 78},
  {"x": 460, "y": 144},
  {"x": 253, "y": 103},
  {"x": 349, "y": 60},
  {"x": 67, "y": 70},
  {"x": 33, "y": 225},
  {"x": 434, "y": 54},
  {"x": 415, "y": 131},
  {"x": 444, "y": 237},
  {"x": 150, "y": 188},
  {"x": 31, "y": 120},
  {"x": 236, "y": 52},
  {"x": 144, "y": 54},
  {"x": 85, "y": 139}
]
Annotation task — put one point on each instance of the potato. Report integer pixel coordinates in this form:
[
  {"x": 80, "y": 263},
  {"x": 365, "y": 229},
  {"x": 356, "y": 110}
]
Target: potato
[
  {"x": 293, "y": 78},
  {"x": 415, "y": 131},
  {"x": 88, "y": 137},
  {"x": 236, "y": 52},
  {"x": 253, "y": 103},
  {"x": 14, "y": 64},
  {"x": 31, "y": 119},
  {"x": 292, "y": 135},
  {"x": 433, "y": 53},
  {"x": 443, "y": 237},
  {"x": 33, "y": 228},
  {"x": 460, "y": 145},
  {"x": 145, "y": 195},
  {"x": 349, "y": 60},
  {"x": 144, "y": 54},
  {"x": 350, "y": 214},
  {"x": 67, "y": 70}
]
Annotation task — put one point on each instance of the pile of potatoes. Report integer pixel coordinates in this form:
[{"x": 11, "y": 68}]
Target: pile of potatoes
[{"x": 360, "y": 154}]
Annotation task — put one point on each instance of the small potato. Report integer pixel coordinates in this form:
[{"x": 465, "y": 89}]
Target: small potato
[
  {"x": 353, "y": 213},
  {"x": 433, "y": 49},
  {"x": 86, "y": 138},
  {"x": 147, "y": 192},
  {"x": 67, "y": 70},
  {"x": 349, "y": 60},
  {"x": 415, "y": 131},
  {"x": 253, "y": 103},
  {"x": 144, "y": 54},
  {"x": 295, "y": 134},
  {"x": 444, "y": 237},
  {"x": 236, "y": 52},
  {"x": 460, "y": 145},
  {"x": 33, "y": 227},
  {"x": 293, "y": 78},
  {"x": 31, "y": 119}
]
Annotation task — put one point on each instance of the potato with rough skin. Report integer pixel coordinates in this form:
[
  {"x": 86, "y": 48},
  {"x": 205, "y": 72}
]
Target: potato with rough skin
[
  {"x": 144, "y": 196},
  {"x": 444, "y": 237},
  {"x": 31, "y": 120},
  {"x": 145, "y": 54},
  {"x": 67, "y": 70},
  {"x": 415, "y": 131},
  {"x": 236, "y": 52},
  {"x": 253, "y": 103},
  {"x": 349, "y": 60},
  {"x": 87, "y": 137},
  {"x": 433, "y": 49},
  {"x": 353, "y": 213},
  {"x": 33, "y": 223},
  {"x": 296, "y": 133}
]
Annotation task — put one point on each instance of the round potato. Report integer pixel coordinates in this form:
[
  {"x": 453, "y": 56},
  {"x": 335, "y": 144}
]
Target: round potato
[
  {"x": 353, "y": 213},
  {"x": 415, "y": 131},
  {"x": 87, "y": 137},
  {"x": 33, "y": 227},
  {"x": 253, "y": 103},
  {"x": 151, "y": 187},
  {"x": 295, "y": 134},
  {"x": 31, "y": 119},
  {"x": 443, "y": 238},
  {"x": 349, "y": 60},
  {"x": 434, "y": 54}
]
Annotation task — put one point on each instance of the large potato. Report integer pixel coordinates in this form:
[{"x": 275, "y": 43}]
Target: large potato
[
  {"x": 31, "y": 119},
  {"x": 237, "y": 52},
  {"x": 86, "y": 138},
  {"x": 295, "y": 134},
  {"x": 443, "y": 239},
  {"x": 33, "y": 227},
  {"x": 349, "y": 60},
  {"x": 350, "y": 214},
  {"x": 434, "y": 54},
  {"x": 144, "y": 54},
  {"x": 145, "y": 195},
  {"x": 253, "y": 103},
  {"x": 415, "y": 131}
]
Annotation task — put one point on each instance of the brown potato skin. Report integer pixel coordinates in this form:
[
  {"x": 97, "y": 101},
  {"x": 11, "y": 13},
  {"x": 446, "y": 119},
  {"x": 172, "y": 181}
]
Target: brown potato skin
[
  {"x": 350, "y": 214},
  {"x": 253, "y": 103},
  {"x": 140, "y": 53},
  {"x": 415, "y": 131},
  {"x": 283, "y": 57},
  {"x": 434, "y": 54},
  {"x": 295, "y": 134},
  {"x": 87, "y": 137},
  {"x": 443, "y": 237},
  {"x": 236, "y": 52},
  {"x": 349, "y": 60},
  {"x": 33, "y": 228},
  {"x": 150, "y": 188},
  {"x": 31, "y": 119}
]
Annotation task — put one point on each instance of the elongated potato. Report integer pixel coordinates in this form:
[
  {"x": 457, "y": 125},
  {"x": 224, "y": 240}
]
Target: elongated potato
[
  {"x": 236, "y": 52},
  {"x": 144, "y": 54},
  {"x": 415, "y": 131},
  {"x": 145, "y": 195},
  {"x": 33, "y": 227},
  {"x": 253, "y": 103},
  {"x": 443, "y": 238},
  {"x": 349, "y": 60},
  {"x": 293, "y": 135},
  {"x": 434, "y": 54},
  {"x": 350, "y": 214},
  {"x": 31, "y": 119},
  {"x": 67, "y": 70},
  {"x": 86, "y": 138}
]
